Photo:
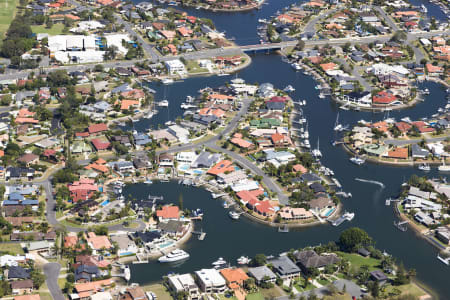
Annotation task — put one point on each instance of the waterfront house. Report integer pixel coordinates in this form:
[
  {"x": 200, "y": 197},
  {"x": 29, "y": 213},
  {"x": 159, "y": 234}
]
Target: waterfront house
[
  {"x": 284, "y": 267},
  {"x": 235, "y": 277},
  {"x": 91, "y": 288},
  {"x": 125, "y": 245},
  {"x": 165, "y": 160},
  {"x": 168, "y": 212},
  {"x": 134, "y": 293},
  {"x": 443, "y": 234},
  {"x": 173, "y": 228},
  {"x": 424, "y": 218},
  {"x": 379, "y": 276},
  {"x": 262, "y": 274},
  {"x": 184, "y": 283},
  {"x": 206, "y": 160},
  {"x": 210, "y": 281},
  {"x": 310, "y": 259},
  {"x": 294, "y": 213}
]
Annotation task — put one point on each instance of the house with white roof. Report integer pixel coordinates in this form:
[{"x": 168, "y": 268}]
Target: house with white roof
[
  {"x": 210, "y": 281},
  {"x": 184, "y": 283}
]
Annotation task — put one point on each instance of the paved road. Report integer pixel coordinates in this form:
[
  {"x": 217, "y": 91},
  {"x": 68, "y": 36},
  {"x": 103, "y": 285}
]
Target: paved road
[
  {"x": 311, "y": 25},
  {"x": 147, "y": 48},
  {"x": 413, "y": 141},
  {"x": 355, "y": 72},
  {"x": 51, "y": 271}
]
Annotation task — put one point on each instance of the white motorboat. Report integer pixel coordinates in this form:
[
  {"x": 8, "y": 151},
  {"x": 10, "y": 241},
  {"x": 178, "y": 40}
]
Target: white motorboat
[
  {"x": 189, "y": 99},
  {"x": 243, "y": 260},
  {"x": 262, "y": 21},
  {"x": 234, "y": 215},
  {"x": 163, "y": 103},
  {"x": 357, "y": 160},
  {"x": 444, "y": 167},
  {"x": 426, "y": 91},
  {"x": 423, "y": 9},
  {"x": 187, "y": 106},
  {"x": 289, "y": 89},
  {"x": 424, "y": 167},
  {"x": 169, "y": 123},
  {"x": 321, "y": 96},
  {"x": 349, "y": 216},
  {"x": 296, "y": 66},
  {"x": 345, "y": 217},
  {"x": 219, "y": 263},
  {"x": 167, "y": 81},
  {"x": 173, "y": 256}
]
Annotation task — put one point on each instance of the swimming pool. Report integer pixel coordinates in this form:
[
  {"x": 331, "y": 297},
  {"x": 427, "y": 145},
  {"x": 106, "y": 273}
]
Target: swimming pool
[
  {"x": 105, "y": 202},
  {"x": 329, "y": 212},
  {"x": 165, "y": 245},
  {"x": 183, "y": 167}
]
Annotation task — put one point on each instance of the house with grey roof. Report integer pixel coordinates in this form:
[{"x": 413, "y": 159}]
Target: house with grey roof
[
  {"x": 310, "y": 259},
  {"x": 284, "y": 267},
  {"x": 206, "y": 160},
  {"x": 262, "y": 274},
  {"x": 418, "y": 152}
]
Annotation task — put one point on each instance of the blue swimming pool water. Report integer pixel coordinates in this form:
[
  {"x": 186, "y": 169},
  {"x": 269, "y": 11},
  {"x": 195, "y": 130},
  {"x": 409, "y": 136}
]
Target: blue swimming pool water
[
  {"x": 104, "y": 202},
  {"x": 184, "y": 167},
  {"x": 165, "y": 245},
  {"x": 329, "y": 212}
]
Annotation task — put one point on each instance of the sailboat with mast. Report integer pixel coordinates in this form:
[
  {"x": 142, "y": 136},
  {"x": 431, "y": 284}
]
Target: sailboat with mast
[
  {"x": 337, "y": 126},
  {"x": 316, "y": 152}
]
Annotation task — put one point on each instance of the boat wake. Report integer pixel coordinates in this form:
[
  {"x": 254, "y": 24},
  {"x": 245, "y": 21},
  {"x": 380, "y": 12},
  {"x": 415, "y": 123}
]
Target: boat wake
[{"x": 371, "y": 181}]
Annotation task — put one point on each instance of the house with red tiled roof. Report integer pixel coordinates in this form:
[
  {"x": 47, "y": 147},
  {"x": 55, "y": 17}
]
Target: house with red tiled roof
[
  {"x": 286, "y": 19},
  {"x": 328, "y": 66},
  {"x": 403, "y": 127},
  {"x": 100, "y": 145},
  {"x": 235, "y": 277},
  {"x": 126, "y": 104},
  {"x": 433, "y": 70},
  {"x": 168, "y": 212},
  {"x": 384, "y": 98},
  {"x": 280, "y": 140},
  {"x": 221, "y": 167},
  {"x": 98, "y": 242},
  {"x": 315, "y": 59},
  {"x": 134, "y": 94},
  {"x": 191, "y": 19},
  {"x": 299, "y": 168},
  {"x": 381, "y": 126},
  {"x": 70, "y": 241},
  {"x": 241, "y": 143},
  {"x": 168, "y": 34},
  {"x": 184, "y": 32},
  {"x": 96, "y": 129},
  {"x": 399, "y": 153}
]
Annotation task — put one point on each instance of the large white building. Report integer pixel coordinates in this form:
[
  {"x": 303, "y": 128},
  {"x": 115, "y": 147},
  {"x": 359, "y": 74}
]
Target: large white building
[
  {"x": 116, "y": 40},
  {"x": 175, "y": 67},
  {"x": 184, "y": 283},
  {"x": 210, "y": 281},
  {"x": 181, "y": 133}
]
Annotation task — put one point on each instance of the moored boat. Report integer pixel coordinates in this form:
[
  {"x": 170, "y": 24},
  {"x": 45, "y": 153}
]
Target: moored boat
[{"x": 173, "y": 256}]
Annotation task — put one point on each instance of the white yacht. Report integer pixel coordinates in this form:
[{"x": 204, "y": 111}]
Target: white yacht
[
  {"x": 444, "y": 167},
  {"x": 289, "y": 89},
  {"x": 296, "y": 66},
  {"x": 167, "y": 81},
  {"x": 243, "y": 260},
  {"x": 219, "y": 263},
  {"x": 424, "y": 167},
  {"x": 175, "y": 255},
  {"x": 163, "y": 103},
  {"x": 357, "y": 160},
  {"x": 262, "y": 21},
  {"x": 234, "y": 215},
  {"x": 316, "y": 152}
]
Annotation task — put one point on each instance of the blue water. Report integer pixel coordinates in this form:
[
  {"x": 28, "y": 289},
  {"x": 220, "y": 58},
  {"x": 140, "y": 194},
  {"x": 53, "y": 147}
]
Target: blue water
[{"x": 104, "y": 203}]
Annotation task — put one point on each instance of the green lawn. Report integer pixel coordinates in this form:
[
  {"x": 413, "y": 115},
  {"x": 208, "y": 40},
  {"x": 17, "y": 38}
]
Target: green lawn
[
  {"x": 357, "y": 260},
  {"x": 8, "y": 9},
  {"x": 12, "y": 248},
  {"x": 271, "y": 293},
  {"x": 160, "y": 291},
  {"x": 255, "y": 296},
  {"x": 55, "y": 30}
]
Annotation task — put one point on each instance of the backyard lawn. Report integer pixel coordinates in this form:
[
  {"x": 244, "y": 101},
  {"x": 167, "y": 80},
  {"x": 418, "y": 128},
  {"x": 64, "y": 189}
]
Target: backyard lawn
[
  {"x": 55, "y": 30},
  {"x": 8, "y": 9},
  {"x": 12, "y": 248},
  {"x": 357, "y": 261},
  {"x": 254, "y": 296},
  {"x": 160, "y": 291}
]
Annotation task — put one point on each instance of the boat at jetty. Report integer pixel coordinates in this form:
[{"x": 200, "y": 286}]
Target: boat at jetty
[
  {"x": 167, "y": 81},
  {"x": 347, "y": 216},
  {"x": 424, "y": 167},
  {"x": 357, "y": 160},
  {"x": 243, "y": 260},
  {"x": 234, "y": 215},
  {"x": 173, "y": 256},
  {"x": 444, "y": 167},
  {"x": 220, "y": 263},
  {"x": 163, "y": 103}
]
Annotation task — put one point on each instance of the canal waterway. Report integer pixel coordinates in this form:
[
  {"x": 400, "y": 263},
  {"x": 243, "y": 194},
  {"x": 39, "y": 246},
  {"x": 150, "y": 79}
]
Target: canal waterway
[{"x": 231, "y": 239}]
